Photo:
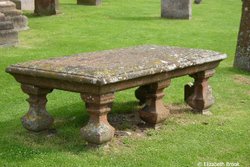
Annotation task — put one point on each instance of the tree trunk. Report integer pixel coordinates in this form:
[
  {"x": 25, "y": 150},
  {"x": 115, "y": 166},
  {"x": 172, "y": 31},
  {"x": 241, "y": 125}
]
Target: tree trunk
[{"x": 242, "y": 56}]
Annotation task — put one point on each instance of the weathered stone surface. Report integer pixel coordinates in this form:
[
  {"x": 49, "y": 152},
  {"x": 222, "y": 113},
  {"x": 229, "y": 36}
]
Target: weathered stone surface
[
  {"x": 6, "y": 25},
  {"x": 242, "y": 56},
  {"x": 45, "y": 7},
  {"x": 97, "y": 75},
  {"x": 197, "y": 1},
  {"x": 176, "y": 9},
  {"x": 8, "y": 8},
  {"x": 37, "y": 118},
  {"x": 97, "y": 67},
  {"x": 88, "y": 2},
  {"x": 8, "y": 36}
]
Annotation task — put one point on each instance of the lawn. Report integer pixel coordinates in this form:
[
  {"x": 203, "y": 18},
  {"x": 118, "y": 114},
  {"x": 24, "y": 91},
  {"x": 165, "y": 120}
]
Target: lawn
[{"x": 185, "y": 139}]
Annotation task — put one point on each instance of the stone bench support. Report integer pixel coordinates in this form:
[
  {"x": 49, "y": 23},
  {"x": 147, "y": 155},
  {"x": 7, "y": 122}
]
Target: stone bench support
[
  {"x": 37, "y": 118},
  {"x": 97, "y": 76},
  {"x": 98, "y": 130},
  {"x": 151, "y": 95},
  {"x": 199, "y": 95}
]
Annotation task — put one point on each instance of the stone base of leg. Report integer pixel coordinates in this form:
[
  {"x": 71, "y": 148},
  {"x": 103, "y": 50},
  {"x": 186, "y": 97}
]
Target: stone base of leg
[
  {"x": 97, "y": 133},
  {"x": 153, "y": 116},
  {"x": 88, "y": 2},
  {"x": 37, "y": 122}
]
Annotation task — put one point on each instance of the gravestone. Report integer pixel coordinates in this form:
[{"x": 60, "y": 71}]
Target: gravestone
[
  {"x": 197, "y": 1},
  {"x": 46, "y": 7},
  {"x": 30, "y": 5},
  {"x": 88, "y": 2},
  {"x": 8, "y": 36},
  {"x": 25, "y": 4},
  {"x": 8, "y": 8},
  {"x": 176, "y": 9},
  {"x": 242, "y": 56}
]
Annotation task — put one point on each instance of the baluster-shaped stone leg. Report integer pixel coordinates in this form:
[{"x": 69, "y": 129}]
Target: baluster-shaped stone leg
[
  {"x": 98, "y": 130},
  {"x": 199, "y": 95},
  {"x": 154, "y": 111},
  {"x": 37, "y": 118}
]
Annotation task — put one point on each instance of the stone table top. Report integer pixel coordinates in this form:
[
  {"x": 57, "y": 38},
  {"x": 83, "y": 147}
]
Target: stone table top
[{"x": 110, "y": 66}]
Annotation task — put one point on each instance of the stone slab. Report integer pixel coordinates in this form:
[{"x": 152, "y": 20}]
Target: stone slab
[
  {"x": 176, "y": 9},
  {"x": 117, "y": 65}
]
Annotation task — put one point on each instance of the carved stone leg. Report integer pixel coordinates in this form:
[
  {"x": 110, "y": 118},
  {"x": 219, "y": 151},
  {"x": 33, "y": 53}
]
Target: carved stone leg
[
  {"x": 98, "y": 130},
  {"x": 199, "y": 95},
  {"x": 154, "y": 111},
  {"x": 37, "y": 118}
]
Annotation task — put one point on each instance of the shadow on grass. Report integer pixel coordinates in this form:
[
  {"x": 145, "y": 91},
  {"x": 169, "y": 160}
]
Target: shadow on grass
[
  {"x": 236, "y": 71},
  {"x": 70, "y": 4},
  {"x": 142, "y": 18},
  {"x": 19, "y": 144},
  {"x": 31, "y": 14}
]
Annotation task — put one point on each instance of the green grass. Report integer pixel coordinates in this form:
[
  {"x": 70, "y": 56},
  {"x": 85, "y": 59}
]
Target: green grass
[{"x": 184, "y": 140}]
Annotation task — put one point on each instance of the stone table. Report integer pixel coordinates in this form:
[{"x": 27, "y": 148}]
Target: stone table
[{"x": 98, "y": 75}]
